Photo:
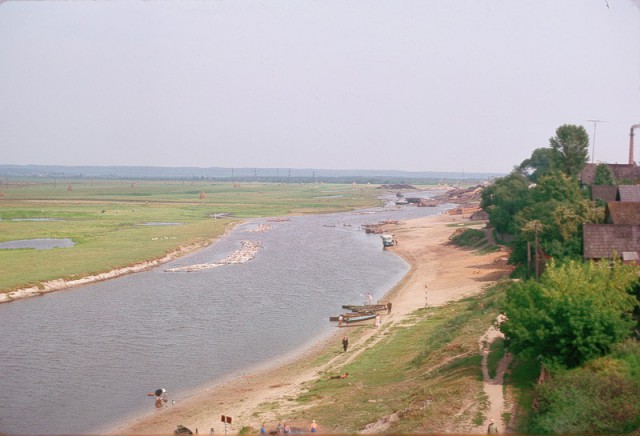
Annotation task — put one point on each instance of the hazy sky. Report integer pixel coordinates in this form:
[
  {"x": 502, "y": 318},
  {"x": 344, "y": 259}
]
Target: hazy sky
[{"x": 425, "y": 85}]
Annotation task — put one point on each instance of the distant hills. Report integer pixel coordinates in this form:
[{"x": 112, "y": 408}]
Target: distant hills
[{"x": 283, "y": 175}]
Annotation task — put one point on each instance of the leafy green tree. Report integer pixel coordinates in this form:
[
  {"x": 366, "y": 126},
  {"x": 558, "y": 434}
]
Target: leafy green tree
[
  {"x": 542, "y": 161},
  {"x": 506, "y": 197},
  {"x": 604, "y": 176},
  {"x": 557, "y": 186},
  {"x": 571, "y": 146},
  {"x": 575, "y": 313},
  {"x": 561, "y": 208}
]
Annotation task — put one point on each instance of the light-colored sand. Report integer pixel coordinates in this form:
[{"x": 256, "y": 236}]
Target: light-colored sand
[{"x": 450, "y": 273}]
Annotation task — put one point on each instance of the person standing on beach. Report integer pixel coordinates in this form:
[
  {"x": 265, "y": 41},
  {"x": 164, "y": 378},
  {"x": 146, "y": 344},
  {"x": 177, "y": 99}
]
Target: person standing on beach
[
  {"x": 314, "y": 426},
  {"x": 388, "y": 307},
  {"x": 345, "y": 343},
  {"x": 369, "y": 299},
  {"x": 378, "y": 320}
]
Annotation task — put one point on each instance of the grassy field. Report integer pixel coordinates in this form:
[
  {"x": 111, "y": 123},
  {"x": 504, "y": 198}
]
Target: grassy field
[
  {"x": 105, "y": 219},
  {"x": 426, "y": 373}
]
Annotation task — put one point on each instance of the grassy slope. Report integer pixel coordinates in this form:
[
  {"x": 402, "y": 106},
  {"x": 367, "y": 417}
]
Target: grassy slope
[
  {"x": 103, "y": 218},
  {"x": 427, "y": 371}
]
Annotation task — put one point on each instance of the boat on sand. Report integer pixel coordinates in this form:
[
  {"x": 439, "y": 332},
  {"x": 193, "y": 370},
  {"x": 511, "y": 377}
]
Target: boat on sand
[
  {"x": 365, "y": 307},
  {"x": 353, "y": 317}
]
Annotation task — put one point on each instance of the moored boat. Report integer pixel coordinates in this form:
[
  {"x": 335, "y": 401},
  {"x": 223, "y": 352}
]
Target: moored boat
[
  {"x": 353, "y": 317},
  {"x": 365, "y": 308}
]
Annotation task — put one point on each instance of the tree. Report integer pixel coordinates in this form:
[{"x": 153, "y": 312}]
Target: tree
[
  {"x": 561, "y": 208},
  {"x": 542, "y": 161},
  {"x": 575, "y": 313},
  {"x": 604, "y": 176},
  {"x": 504, "y": 199},
  {"x": 571, "y": 145}
]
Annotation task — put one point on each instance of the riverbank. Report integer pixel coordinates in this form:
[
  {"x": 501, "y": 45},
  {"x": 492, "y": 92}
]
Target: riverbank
[
  {"x": 62, "y": 284},
  {"x": 450, "y": 273}
]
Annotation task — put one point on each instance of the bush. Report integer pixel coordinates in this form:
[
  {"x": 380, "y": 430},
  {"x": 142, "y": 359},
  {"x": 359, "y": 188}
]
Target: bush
[
  {"x": 576, "y": 313},
  {"x": 602, "y": 397}
]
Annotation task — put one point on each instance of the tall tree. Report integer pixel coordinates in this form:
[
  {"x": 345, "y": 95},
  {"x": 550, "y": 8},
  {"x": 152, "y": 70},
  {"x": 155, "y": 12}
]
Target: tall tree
[
  {"x": 571, "y": 145},
  {"x": 506, "y": 197},
  {"x": 604, "y": 176},
  {"x": 560, "y": 206},
  {"x": 542, "y": 161}
]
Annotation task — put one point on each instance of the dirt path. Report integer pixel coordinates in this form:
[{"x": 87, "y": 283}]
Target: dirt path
[{"x": 493, "y": 387}]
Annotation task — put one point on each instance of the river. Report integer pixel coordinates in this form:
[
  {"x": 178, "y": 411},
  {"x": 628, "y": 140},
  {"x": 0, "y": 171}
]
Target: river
[{"x": 81, "y": 360}]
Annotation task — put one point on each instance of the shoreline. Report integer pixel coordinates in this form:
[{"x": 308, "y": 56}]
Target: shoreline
[
  {"x": 62, "y": 284},
  {"x": 451, "y": 274}
]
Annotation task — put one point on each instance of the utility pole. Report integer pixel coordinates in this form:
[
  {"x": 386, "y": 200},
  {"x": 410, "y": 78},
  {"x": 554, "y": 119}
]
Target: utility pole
[{"x": 593, "y": 142}]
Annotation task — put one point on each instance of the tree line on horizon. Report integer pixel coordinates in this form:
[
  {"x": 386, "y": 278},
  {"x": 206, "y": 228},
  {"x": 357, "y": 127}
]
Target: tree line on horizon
[
  {"x": 577, "y": 321},
  {"x": 219, "y": 174}
]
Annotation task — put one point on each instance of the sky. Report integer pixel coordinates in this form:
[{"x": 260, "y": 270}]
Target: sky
[{"x": 424, "y": 85}]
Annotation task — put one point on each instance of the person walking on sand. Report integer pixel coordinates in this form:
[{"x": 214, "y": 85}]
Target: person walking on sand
[
  {"x": 287, "y": 429},
  {"x": 378, "y": 320},
  {"x": 388, "y": 307},
  {"x": 263, "y": 429},
  {"x": 345, "y": 343},
  {"x": 314, "y": 426},
  {"x": 493, "y": 428}
]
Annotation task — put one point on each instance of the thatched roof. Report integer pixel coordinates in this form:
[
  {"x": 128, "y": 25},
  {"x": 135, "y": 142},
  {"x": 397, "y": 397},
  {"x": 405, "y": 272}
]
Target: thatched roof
[
  {"x": 604, "y": 193},
  {"x": 604, "y": 241},
  {"x": 619, "y": 212},
  {"x": 629, "y": 193}
]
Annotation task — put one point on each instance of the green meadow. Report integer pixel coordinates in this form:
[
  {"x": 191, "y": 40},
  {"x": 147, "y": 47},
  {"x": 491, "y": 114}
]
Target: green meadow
[{"x": 109, "y": 220}]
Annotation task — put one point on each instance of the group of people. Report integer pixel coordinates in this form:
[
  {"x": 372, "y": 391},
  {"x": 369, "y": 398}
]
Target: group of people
[{"x": 286, "y": 428}]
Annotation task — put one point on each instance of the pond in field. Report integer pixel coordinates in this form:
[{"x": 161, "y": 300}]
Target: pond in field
[
  {"x": 37, "y": 244},
  {"x": 83, "y": 360}
]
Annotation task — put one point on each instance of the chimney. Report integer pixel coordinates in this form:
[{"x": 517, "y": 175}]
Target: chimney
[{"x": 631, "y": 160}]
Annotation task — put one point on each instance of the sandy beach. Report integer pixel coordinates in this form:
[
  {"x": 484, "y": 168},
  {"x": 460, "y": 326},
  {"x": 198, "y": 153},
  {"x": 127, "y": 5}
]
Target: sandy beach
[{"x": 449, "y": 273}]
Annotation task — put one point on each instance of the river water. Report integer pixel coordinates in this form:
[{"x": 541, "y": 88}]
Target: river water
[{"x": 83, "y": 360}]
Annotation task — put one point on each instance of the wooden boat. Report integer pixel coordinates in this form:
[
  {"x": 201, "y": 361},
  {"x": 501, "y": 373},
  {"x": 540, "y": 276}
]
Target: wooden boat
[
  {"x": 353, "y": 317},
  {"x": 365, "y": 308}
]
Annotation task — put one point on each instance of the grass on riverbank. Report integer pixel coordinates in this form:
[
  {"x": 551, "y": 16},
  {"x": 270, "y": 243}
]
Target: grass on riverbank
[
  {"x": 473, "y": 239},
  {"x": 423, "y": 375},
  {"x": 105, "y": 220}
]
